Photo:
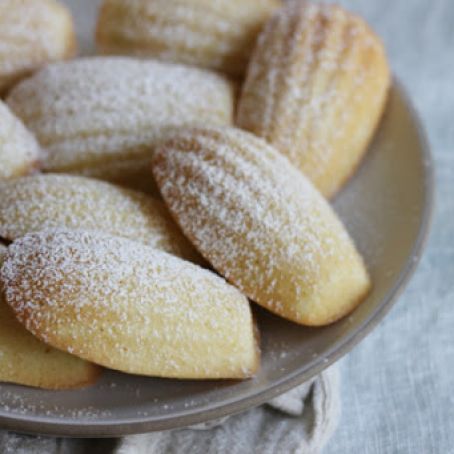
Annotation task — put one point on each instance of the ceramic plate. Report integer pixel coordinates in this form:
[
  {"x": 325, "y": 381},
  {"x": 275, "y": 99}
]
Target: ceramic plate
[{"x": 386, "y": 207}]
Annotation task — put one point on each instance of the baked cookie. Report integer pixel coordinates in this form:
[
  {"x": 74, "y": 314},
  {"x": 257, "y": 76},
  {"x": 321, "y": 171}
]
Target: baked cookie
[
  {"x": 216, "y": 34},
  {"x": 52, "y": 201},
  {"x": 27, "y": 361},
  {"x": 316, "y": 88},
  {"x": 99, "y": 116},
  {"x": 19, "y": 151},
  {"x": 261, "y": 224},
  {"x": 129, "y": 307},
  {"x": 32, "y": 33}
]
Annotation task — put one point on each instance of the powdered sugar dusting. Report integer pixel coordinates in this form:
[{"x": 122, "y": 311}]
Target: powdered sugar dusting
[
  {"x": 217, "y": 34},
  {"x": 101, "y": 110},
  {"x": 26, "y": 360},
  {"x": 128, "y": 306},
  {"x": 62, "y": 201},
  {"x": 315, "y": 89},
  {"x": 255, "y": 218},
  {"x": 16, "y": 404},
  {"x": 32, "y": 32},
  {"x": 19, "y": 151}
]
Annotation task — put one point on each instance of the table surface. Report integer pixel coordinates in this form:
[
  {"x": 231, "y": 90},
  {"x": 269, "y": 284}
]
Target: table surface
[{"x": 398, "y": 385}]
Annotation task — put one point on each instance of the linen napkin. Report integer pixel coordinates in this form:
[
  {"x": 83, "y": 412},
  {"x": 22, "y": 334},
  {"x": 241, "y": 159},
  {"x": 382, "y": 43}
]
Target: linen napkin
[{"x": 301, "y": 421}]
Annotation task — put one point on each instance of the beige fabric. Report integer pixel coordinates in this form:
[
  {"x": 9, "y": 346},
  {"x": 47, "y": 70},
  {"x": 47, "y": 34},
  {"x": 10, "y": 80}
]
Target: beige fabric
[{"x": 300, "y": 422}]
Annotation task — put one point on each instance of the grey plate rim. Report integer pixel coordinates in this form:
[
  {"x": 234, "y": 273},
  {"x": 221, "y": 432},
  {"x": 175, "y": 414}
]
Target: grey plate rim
[{"x": 94, "y": 429}]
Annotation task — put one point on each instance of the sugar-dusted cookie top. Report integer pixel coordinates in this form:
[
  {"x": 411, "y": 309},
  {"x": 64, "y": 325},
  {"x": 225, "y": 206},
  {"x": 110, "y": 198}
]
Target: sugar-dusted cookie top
[
  {"x": 25, "y": 360},
  {"x": 52, "y": 201},
  {"x": 261, "y": 223},
  {"x": 128, "y": 306},
  {"x": 316, "y": 88},
  {"x": 19, "y": 151},
  {"x": 100, "y": 116},
  {"x": 216, "y": 34},
  {"x": 32, "y": 33}
]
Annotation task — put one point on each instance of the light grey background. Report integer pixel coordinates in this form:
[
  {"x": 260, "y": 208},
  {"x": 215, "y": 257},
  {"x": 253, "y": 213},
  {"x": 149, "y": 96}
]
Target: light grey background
[{"x": 398, "y": 385}]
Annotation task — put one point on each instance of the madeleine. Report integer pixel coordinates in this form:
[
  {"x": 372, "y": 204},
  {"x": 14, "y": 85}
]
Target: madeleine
[
  {"x": 216, "y": 34},
  {"x": 316, "y": 88},
  {"x": 129, "y": 307},
  {"x": 100, "y": 116},
  {"x": 20, "y": 153},
  {"x": 25, "y": 360},
  {"x": 261, "y": 224},
  {"x": 32, "y": 34},
  {"x": 56, "y": 201}
]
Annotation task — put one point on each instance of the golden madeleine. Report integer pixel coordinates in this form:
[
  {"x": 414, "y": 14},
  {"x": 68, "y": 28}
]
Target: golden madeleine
[
  {"x": 27, "y": 361},
  {"x": 316, "y": 88},
  {"x": 216, "y": 34},
  {"x": 19, "y": 151},
  {"x": 99, "y": 116},
  {"x": 32, "y": 33},
  {"x": 53, "y": 201},
  {"x": 129, "y": 307},
  {"x": 261, "y": 224}
]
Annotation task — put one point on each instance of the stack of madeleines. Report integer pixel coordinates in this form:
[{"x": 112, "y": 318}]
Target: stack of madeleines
[{"x": 148, "y": 196}]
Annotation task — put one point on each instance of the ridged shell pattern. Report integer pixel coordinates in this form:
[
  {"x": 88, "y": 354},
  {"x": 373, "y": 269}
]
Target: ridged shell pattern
[
  {"x": 128, "y": 306},
  {"x": 54, "y": 201},
  {"x": 216, "y": 34},
  {"x": 32, "y": 33},
  {"x": 316, "y": 87},
  {"x": 99, "y": 116},
  {"x": 261, "y": 224}
]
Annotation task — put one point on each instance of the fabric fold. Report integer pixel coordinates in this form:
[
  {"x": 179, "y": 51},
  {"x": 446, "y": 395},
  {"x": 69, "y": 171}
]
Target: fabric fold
[{"x": 300, "y": 421}]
